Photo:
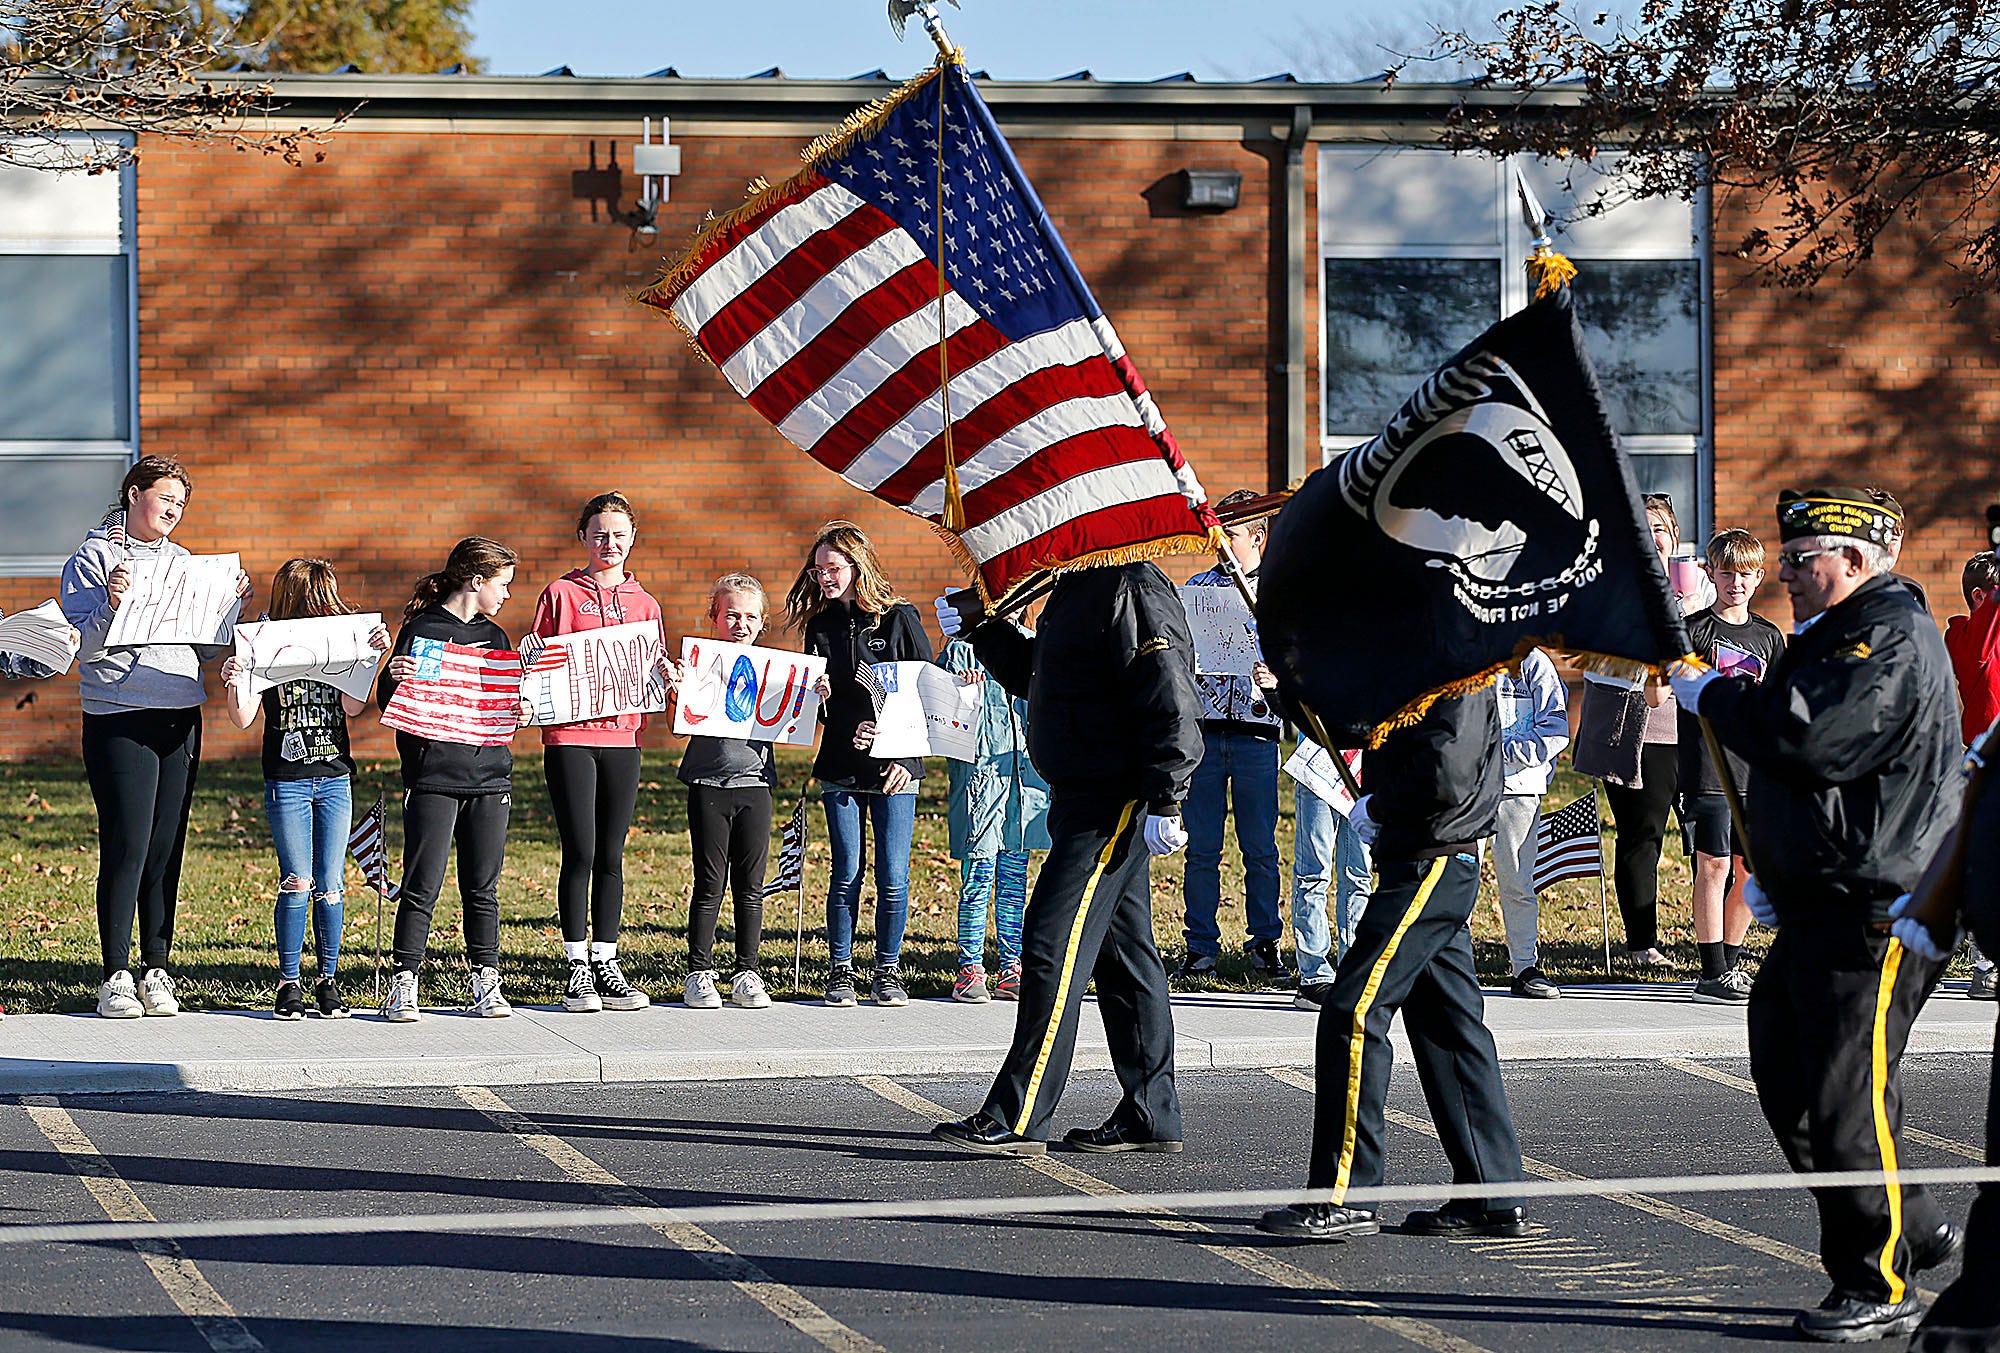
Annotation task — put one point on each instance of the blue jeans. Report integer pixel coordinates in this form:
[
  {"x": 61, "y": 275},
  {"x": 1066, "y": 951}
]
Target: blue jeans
[
  {"x": 894, "y": 818},
  {"x": 1325, "y": 846},
  {"x": 309, "y": 825},
  {"x": 1251, "y": 765},
  {"x": 1007, "y": 885}
]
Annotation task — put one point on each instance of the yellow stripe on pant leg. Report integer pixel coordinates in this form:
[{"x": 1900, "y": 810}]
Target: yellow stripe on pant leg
[
  {"x": 1358, "y": 1040},
  {"x": 1878, "y": 1090},
  {"x": 1069, "y": 969}
]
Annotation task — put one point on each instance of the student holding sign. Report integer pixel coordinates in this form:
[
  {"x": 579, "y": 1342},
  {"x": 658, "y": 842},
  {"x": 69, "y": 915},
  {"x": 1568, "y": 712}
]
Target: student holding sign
[
  {"x": 593, "y": 764},
  {"x": 852, "y": 617},
  {"x": 457, "y": 788},
  {"x": 141, "y": 736},
  {"x": 308, "y": 788}
]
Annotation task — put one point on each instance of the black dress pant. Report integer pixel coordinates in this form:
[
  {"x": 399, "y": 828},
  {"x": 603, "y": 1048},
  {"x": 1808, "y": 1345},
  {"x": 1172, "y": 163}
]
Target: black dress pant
[
  {"x": 1829, "y": 1017},
  {"x": 730, "y": 830},
  {"x": 1641, "y": 815},
  {"x": 141, "y": 766},
  {"x": 593, "y": 791},
  {"x": 432, "y": 823},
  {"x": 1091, "y": 915},
  {"x": 1413, "y": 953}
]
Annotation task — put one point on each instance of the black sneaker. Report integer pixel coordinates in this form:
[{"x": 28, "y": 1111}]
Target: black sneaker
[
  {"x": 1196, "y": 968},
  {"x": 1535, "y": 985},
  {"x": 1985, "y": 985},
  {"x": 1265, "y": 959},
  {"x": 840, "y": 985},
  {"x": 326, "y": 995},
  {"x": 291, "y": 1002},
  {"x": 1319, "y": 1221},
  {"x": 1844, "y": 1318},
  {"x": 888, "y": 988},
  {"x": 1939, "y": 1247},
  {"x": 1312, "y": 995}
]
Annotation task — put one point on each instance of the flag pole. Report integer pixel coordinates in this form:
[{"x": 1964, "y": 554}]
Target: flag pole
[
  {"x": 380, "y": 901},
  {"x": 1603, "y": 905},
  {"x": 1731, "y": 794}
]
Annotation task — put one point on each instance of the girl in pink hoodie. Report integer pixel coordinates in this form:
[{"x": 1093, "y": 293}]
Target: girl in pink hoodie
[{"x": 593, "y": 766}]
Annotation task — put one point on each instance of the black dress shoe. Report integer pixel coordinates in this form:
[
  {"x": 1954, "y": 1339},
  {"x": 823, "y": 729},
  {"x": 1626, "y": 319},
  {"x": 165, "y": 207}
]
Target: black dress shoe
[
  {"x": 982, "y": 1134},
  {"x": 1453, "y": 1220},
  {"x": 1939, "y": 1247},
  {"x": 1844, "y": 1318},
  {"x": 1117, "y": 1137},
  {"x": 1319, "y": 1221}
]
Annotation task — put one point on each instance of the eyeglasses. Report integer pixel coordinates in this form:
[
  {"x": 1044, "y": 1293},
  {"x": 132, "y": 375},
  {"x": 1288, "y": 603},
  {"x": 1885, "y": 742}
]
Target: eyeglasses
[
  {"x": 832, "y": 570},
  {"x": 1796, "y": 559}
]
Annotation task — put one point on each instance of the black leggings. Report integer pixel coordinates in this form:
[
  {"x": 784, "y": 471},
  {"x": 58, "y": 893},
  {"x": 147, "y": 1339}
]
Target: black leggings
[
  {"x": 1641, "y": 818},
  {"x": 431, "y": 823},
  {"x": 594, "y": 790},
  {"x": 141, "y": 767},
  {"x": 731, "y": 830}
]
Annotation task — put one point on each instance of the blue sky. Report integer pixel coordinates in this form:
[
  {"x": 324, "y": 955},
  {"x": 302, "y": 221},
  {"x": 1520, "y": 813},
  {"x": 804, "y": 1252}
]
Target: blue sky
[{"x": 1014, "y": 39}]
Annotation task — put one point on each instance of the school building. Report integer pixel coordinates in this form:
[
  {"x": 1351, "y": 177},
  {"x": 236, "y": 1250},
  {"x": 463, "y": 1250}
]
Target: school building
[{"x": 429, "y": 333}]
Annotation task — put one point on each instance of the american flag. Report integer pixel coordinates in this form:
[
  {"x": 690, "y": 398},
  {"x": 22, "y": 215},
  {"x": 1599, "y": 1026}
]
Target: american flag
[
  {"x": 1568, "y": 843},
  {"x": 114, "y": 527},
  {"x": 371, "y": 851},
  {"x": 460, "y": 694},
  {"x": 792, "y": 858},
  {"x": 826, "y": 300},
  {"x": 871, "y": 683}
]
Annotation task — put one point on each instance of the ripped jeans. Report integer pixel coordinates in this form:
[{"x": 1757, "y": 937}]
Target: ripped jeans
[{"x": 309, "y": 824}]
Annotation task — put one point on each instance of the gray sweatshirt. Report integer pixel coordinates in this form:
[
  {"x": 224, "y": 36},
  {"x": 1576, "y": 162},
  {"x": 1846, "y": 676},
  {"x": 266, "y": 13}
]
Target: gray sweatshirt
[{"x": 120, "y": 680}]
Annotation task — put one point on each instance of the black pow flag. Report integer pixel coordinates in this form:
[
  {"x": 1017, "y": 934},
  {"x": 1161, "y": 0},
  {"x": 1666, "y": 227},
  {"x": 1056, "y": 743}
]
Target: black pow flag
[{"x": 1495, "y": 513}]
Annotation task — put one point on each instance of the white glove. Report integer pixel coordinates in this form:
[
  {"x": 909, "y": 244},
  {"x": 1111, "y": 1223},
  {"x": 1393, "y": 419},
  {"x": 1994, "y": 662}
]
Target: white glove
[
  {"x": 1364, "y": 826},
  {"x": 1759, "y": 902},
  {"x": 949, "y": 620},
  {"x": 1688, "y": 682},
  {"x": 1165, "y": 835},
  {"x": 1915, "y": 935}
]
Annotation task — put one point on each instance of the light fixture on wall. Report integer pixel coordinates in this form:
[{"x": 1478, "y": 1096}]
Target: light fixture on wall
[
  {"x": 655, "y": 162},
  {"x": 1210, "y": 189}
]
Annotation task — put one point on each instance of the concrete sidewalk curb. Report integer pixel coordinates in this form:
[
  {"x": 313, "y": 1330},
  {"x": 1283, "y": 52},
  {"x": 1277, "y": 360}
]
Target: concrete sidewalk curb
[{"x": 250, "y": 1051}]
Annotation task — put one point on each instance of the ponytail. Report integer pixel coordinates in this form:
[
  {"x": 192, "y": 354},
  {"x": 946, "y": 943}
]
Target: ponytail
[{"x": 472, "y": 558}]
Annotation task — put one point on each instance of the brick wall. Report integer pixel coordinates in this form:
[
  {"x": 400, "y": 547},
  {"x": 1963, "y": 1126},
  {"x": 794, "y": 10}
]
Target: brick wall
[{"x": 424, "y": 337}]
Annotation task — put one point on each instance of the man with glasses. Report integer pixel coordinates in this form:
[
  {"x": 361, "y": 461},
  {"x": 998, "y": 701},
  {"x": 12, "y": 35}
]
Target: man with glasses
[{"x": 1851, "y": 740}]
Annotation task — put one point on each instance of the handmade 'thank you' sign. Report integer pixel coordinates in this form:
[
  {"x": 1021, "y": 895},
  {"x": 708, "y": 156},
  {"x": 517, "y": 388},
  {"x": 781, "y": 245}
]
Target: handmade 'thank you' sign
[
  {"x": 597, "y": 674},
  {"x": 333, "y": 649},
  {"x": 926, "y": 711},
  {"x": 186, "y": 599},
  {"x": 737, "y": 691}
]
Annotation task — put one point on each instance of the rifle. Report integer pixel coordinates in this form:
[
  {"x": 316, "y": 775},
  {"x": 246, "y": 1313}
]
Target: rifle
[{"x": 1939, "y": 897}]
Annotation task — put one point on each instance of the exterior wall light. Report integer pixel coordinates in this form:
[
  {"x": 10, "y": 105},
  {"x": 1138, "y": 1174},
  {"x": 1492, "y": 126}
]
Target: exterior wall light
[{"x": 1210, "y": 189}]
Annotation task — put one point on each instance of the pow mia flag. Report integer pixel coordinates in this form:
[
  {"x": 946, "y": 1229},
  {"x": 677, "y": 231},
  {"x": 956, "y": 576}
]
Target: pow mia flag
[{"x": 1495, "y": 513}]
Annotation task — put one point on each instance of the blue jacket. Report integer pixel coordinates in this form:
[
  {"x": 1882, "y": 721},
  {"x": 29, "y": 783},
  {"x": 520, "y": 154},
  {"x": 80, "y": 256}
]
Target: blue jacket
[{"x": 1000, "y": 801}]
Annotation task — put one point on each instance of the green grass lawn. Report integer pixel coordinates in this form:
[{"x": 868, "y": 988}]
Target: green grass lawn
[{"x": 223, "y": 955}]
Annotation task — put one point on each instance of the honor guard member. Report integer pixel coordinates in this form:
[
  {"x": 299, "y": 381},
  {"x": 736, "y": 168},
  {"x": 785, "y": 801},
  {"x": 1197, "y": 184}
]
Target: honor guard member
[
  {"x": 1113, "y": 727},
  {"x": 1853, "y": 737},
  {"x": 1435, "y": 791},
  {"x": 1966, "y": 1319}
]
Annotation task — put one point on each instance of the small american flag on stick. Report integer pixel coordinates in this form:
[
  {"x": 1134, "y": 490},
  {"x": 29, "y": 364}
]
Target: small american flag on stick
[
  {"x": 792, "y": 858},
  {"x": 871, "y": 682},
  {"x": 1568, "y": 844},
  {"x": 371, "y": 852}
]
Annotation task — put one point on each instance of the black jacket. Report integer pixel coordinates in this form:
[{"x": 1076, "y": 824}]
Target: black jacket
[
  {"x": 1109, "y": 681},
  {"x": 1434, "y": 788},
  {"x": 448, "y": 767},
  {"x": 846, "y": 637},
  {"x": 1852, "y": 739}
]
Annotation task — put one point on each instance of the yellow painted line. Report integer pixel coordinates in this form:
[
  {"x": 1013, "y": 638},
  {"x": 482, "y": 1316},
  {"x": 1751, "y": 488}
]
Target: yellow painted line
[
  {"x": 1910, "y": 1134},
  {"x": 782, "y": 1301},
  {"x": 1264, "y": 1265},
  {"x": 191, "y": 1292}
]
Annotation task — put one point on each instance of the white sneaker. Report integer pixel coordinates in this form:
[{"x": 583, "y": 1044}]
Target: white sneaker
[
  {"x": 700, "y": 992},
  {"x": 156, "y": 992},
  {"x": 400, "y": 1006},
  {"x": 118, "y": 998},
  {"x": 487, "y": 1002},
  {"x": 747, "y": 990}
]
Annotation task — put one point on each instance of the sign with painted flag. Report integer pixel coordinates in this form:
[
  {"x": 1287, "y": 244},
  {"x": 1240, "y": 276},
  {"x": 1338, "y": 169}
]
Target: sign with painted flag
[
  {"x": 461, "y": 694},
  {"x": 904, "y": 311},
  {"x": 1496, "y": 513},
  {"x": 370, "y": 849},
  {"x": 791, "y": 856},
  {"x": 1569, "y": 843}
]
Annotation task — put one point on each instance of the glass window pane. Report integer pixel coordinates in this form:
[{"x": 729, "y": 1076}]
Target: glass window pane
[
  {"x": 1390, "y": 322},
  {"x": 1654, "y": 227},
  {"x": 52, "y": 500},
  {"x": 1407, "y": 197},
  {"x": 1642, "y": 329},
  {"x": 1673, "y": 475},
  {"x": 63, "y": 348}
]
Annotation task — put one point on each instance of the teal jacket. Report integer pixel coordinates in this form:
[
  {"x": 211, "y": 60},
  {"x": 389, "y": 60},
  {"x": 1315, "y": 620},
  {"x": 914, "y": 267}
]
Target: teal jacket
[{"x": 1000, "y": 801}]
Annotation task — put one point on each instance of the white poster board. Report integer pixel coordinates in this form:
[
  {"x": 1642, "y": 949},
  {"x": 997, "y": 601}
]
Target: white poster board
[
  {"x": 1225, "y": 651},
  {"x": 333, "y": 649},
  {"x": 926, "y": 711},
  {"x": 1312, "y": 766},
  {"x": 42, "y": 635},
  {"x": 739, "y": 691},
  {"x": 595, "y": 674},
  {"x": 188, "y": 599}
]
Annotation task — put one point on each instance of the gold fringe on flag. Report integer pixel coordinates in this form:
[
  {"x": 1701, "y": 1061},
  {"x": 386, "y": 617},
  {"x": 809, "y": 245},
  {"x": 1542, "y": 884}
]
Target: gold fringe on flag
[
  {"x": 1549, "y": 270},
  {"x": 1604, "y": 664}
]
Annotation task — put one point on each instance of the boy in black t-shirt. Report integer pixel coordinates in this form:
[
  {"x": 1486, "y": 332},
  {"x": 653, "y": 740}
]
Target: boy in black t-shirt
[{"x": 1734, "y": 641}]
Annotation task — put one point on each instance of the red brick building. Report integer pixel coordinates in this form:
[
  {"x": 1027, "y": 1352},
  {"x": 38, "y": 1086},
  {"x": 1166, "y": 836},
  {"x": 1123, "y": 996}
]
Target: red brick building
[{"x": 428, "y": 335}]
